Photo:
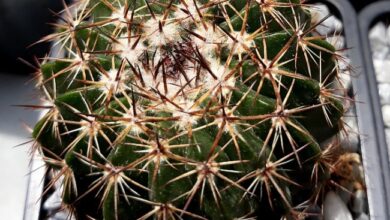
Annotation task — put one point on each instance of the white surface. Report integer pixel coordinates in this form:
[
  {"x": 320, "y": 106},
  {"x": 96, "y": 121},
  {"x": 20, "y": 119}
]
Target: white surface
[
  {"x": 335, "y": 208},
  {"x": 363, "y": 217},
  {"x": 380, "y": 46},
  {"x": 35, "y": 189},
  {"x": 384, "y": 93},
  {"x": 386, "y": 115},
  {"x": 14, "y": 160},
  {"x": 382, "y": 70}
]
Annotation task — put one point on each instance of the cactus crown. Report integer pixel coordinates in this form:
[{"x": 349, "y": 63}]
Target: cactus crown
[{"x": 194, "y": 109}]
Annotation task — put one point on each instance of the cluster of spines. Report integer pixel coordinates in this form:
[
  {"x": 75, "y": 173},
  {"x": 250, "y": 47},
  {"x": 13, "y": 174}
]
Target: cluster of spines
[{"x": 173, "y": 108}]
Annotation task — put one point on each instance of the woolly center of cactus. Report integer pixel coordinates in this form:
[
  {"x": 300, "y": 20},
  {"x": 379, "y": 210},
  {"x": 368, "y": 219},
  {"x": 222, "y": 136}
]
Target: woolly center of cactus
[
  {"x": 158, "y": 151},
  {"x": 128, "y": 49},
  {"x": 208, "y": 169},
  {"x": 241, "y": 43},
  {"x": 90, "y": 126},
  {"x": 191, "y": 10},
  {"x": 176, "y": 59},
  {"x": 131, "y": 123},
  {"x": 176, "y": 55},
  {"x": 266, "y": 5},
  {"x": 113, "y": 81},
  {"x": 159, "y": 31}
]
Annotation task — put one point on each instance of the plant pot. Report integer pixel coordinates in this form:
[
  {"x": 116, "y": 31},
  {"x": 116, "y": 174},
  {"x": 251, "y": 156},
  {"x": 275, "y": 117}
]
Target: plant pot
[
  {"x": 361, "y": 4},
  {"x": 367, "y": 18}
]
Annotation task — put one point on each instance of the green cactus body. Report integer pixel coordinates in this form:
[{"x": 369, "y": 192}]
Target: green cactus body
[{"x": 194, "y": 109}]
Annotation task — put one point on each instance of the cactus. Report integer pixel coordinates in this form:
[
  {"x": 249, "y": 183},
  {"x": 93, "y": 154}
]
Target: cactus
[{"x": 193, "y": 109}]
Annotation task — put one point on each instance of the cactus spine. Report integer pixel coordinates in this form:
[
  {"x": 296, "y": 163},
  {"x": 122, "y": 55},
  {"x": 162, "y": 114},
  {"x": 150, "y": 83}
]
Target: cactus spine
[{"x": 194, "y": 109}]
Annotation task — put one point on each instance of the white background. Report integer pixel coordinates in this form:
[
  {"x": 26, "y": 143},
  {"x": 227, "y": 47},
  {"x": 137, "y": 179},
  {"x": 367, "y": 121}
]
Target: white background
[{"x": 14, "y": 161}]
